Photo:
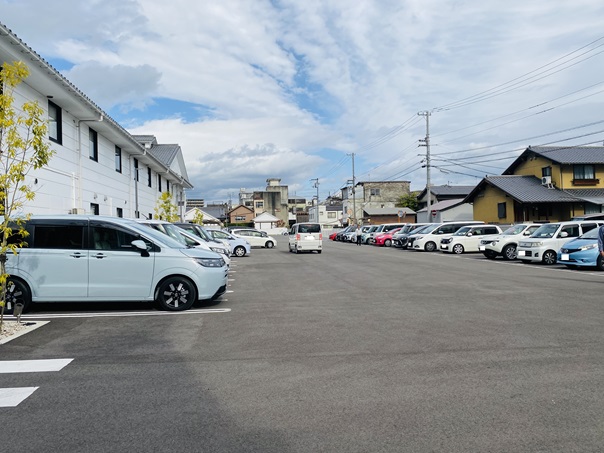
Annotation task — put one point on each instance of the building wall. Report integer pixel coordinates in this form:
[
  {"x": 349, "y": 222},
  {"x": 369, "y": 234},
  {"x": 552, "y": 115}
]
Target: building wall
[
  {"x": 463, "y": 211},
  {"x": 562, "y": 175},
  {"x": 241, "y": 211},
  {"x": 485, "y": 206}
]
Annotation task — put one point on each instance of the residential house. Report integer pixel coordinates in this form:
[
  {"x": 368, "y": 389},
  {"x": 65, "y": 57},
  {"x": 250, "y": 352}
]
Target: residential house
[
  {"x": 240, "y": 214},
  {"x": 442, "y": 193},
  {"x": 266, "y": 222},
  {"x": 98, "y": 167},
  {"x": 545, "y": 183},
  {"x": 446, "y": 211},
  {"x": 377, "y": 216}
]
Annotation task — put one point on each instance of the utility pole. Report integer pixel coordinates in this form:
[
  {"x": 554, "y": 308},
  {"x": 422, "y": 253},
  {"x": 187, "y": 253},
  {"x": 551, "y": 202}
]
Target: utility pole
[
  {"x": 354, "y": 197},
  {"x": 316, "y": 185},
  {"x": 426, "y": 143}
]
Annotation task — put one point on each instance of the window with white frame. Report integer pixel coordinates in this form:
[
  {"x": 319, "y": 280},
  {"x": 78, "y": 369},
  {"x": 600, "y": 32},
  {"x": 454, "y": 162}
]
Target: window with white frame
[{"x": 55, "y": 123}]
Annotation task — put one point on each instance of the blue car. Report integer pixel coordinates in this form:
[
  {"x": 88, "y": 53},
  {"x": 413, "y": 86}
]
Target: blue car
[{"x": 582, "y": 252}]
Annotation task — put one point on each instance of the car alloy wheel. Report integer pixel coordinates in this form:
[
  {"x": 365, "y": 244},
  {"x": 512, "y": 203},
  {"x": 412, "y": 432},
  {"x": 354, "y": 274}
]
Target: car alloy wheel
[
  {"x": 239, "y": 251},
  {"x": 509, "y": 252},
  {"x": 458, "y": 249},
  {"x": 176, "y": 294},
  {"x": 550, "y": 257},
  {"x": 269, "y": 244},
  {"x": 17, "y": 292},
  {"x": 430, "y": 246},
  {"x": 387, "y": 243}
]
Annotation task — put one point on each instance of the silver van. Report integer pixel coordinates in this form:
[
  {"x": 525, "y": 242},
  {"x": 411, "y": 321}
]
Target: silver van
[
  {"x": 306, "y": 237},
  {"x": 89, "y": 258}
]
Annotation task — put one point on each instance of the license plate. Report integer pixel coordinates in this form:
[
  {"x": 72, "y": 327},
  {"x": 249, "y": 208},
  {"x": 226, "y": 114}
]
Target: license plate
[
  {"x": 444, "y": 247},
  {"x": 564, "y": 257},
  {"x": 521, "y": 253},
  {"x": 482, "y": 248},
  {"x": 310, "y": 238}
]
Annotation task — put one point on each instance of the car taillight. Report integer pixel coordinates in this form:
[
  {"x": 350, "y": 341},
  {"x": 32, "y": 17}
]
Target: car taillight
[
  {"x": 297, "y": 236},
  {"x": 320, "y": 236}
]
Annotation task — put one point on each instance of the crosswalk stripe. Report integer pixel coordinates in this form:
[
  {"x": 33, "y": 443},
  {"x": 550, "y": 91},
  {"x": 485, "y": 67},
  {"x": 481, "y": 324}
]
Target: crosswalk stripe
[
  {"x": 11, "y": 397},
  {"x": 33, "y": 366}
]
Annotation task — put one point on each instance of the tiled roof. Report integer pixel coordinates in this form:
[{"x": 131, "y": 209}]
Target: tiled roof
[
  {"x": 527, "y": 189},
  {"x": 595, "y": 196},
  {"x": 165, "y": 153},
  {"x": 451, "y": 190},
  {"x": 570, "y": 154}
]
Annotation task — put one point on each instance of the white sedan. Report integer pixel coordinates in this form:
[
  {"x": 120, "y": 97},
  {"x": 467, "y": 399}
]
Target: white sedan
[{"x": 256, "y": 238}]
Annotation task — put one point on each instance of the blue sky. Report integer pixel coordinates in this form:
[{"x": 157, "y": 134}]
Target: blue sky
[{"x": 289, "y": 89}]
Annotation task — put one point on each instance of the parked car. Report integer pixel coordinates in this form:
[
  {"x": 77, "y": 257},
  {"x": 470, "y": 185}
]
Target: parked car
[
  {"x": 383, "y": 228},
  {"x": 187, "y": 238},
  {"x": 385, "y": 239},
  {"x": 306, "y": 237},
  {"x": 506, "y": 243},
  {"x": 582, "y": 252},
  {"x": 467, "y": 239},
  {"x": 406, "y": 239},
  {"x": 397, "y": 237},
  {"x": 88, "y": 258},
  {"x": 256, "y": 238},
  {"x": 543, "y": 245},
  {"x": 428, "y": 239},
  {"x": 201, "y": 233},
  {"x": 368, "y": 233},
  {"x": 332, "y": 236},
  {"x": 240, "y": 246},
  {"x": 340, "y": 234}
]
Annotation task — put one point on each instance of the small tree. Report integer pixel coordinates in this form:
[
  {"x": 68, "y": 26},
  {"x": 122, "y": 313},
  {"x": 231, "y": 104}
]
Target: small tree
[
  {"x": 198, "y": 217},
  {"x": 165, "y": 209},
  {"x": 408, "y": 201},
  {"x": 23, "y": 147}
]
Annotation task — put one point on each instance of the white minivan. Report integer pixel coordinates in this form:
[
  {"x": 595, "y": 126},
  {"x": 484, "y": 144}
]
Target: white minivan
[
  {"x": 305, "y": 237},
  {"x": 544, "y": 243},
  {"x": 88, "y": 258}
]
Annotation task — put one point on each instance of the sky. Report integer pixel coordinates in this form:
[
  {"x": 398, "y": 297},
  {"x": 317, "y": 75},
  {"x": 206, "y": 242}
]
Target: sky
[{"x": 332, "y": 90}]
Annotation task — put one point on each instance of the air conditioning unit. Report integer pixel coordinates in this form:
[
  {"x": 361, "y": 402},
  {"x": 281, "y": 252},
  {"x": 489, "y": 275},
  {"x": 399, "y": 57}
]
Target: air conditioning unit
[
  {"x": 77, "y": 211},
  {"x": 546, "y": 180}
]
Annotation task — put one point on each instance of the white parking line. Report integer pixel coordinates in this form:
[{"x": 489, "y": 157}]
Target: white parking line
[
  {"x": 534, "y": 266},
  {"x": 204, "y": 311},
  {"x": 33, "y": 366},
  {"x": 11, "y": 397}
]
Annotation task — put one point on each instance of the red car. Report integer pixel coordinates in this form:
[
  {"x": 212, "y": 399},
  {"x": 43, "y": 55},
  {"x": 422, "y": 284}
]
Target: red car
[
  {"x": 332, "y": 236},
  {"x": 385, "y": 239}
]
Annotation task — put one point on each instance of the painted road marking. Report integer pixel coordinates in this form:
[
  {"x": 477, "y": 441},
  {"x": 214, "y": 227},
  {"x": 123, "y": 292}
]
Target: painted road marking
[
  {"x": 33, "y": 366},
  {"x": 11, "y": 397},
  {"x": 125, "y": 313}
]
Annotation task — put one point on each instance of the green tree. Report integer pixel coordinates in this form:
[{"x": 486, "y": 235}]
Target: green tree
[
  {"x": 408, "y": 201},
  {"x": 23, "y": 147},
  {"x": 198, "y": 217},
  {"x": 165, "y": 209}
]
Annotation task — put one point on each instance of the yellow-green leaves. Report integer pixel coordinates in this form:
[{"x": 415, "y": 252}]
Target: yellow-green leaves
[{"x": 165, "y": 209}]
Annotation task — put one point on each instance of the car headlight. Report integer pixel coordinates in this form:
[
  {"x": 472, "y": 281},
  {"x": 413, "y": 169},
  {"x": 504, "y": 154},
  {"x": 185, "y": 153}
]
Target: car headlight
[
  {"x": 446, "y": 241},
  {"x": 217, "y": 250},
  {"x": 210, "y": 262},
  {"x": 588, "y": 247},
  {"x": 418, "y": 238}
]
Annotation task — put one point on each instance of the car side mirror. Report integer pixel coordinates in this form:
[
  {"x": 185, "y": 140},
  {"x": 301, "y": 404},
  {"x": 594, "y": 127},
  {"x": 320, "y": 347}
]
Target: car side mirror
[
  {"x": 563, "y": 234},
  {"x": 527, "y": 233},
  {"x": 264, "y": 235},
  {"x": 140, "y": 245},
  {"x": 469, "y": 234}
]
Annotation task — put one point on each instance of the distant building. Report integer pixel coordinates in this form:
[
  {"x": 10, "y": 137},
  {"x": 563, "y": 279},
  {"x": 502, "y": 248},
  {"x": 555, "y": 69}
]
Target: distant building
[
  {"x": 442, "y": 193},
  {"x": 371, "y": 194},
  {"x": 195, "y": 203}
]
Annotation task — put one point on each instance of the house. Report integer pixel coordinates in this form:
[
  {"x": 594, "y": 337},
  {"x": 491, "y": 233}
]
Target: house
[
  {"x": 240, "y": 214},
  {"x": 442, "y": 193},
  {"x": 266, "y": 221},
  {"x": 545, "y": 183},
  {"x": 446, "y": 211},
  {"x": 98, "y": 167},
  {"x": 208, "y": 219},
  {"x": 371, "y": 194}
]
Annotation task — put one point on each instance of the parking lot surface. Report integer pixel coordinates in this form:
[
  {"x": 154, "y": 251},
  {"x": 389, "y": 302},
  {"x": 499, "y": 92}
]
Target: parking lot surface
[{"x": 358, "y": 349}]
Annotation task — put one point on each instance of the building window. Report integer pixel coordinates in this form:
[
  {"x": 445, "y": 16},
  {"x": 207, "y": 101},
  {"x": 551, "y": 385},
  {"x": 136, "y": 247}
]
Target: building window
[
  {"x": 259, "y": 204},
  {"x": 93, "y": 139},
  {"x": 118, "y": 159},
  {"x": 158, "y": 182},
  {"x": 167, "y": 186},
  {"x": 119, "y": 212},
  {"x": 546, "y": 171},
  {"x": 331, "y": 215},
  {"x": 150, "y": 216},
  {"x": 375, "y": 192},
  {"x": 584, "y": 172},
  {"x": 136, "y": 170},
  {"x": 501, "y": 210},
  {"x": 94, "y": 209},
  {"x": 55, "y": 123},
  {"x": 149, "y": 176},
  {"x": 239, "y": 218}
]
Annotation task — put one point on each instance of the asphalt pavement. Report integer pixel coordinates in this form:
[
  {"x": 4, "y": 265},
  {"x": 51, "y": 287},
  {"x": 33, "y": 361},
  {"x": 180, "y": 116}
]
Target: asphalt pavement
[{"x": 357, "y": 349}]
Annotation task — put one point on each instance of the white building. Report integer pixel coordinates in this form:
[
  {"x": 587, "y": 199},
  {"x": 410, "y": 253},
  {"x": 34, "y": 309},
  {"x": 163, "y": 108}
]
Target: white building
[{"x": 98, "y": 167}]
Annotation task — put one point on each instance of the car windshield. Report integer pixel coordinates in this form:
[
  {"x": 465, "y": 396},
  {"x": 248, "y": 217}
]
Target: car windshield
[
  {"x": 591, "y": 234},
  {"x": 462, "y": 231},
  {"x": 514, "y": 229},
  {"x": 180, "y": 235},
  {"x": 156, "y": 236},
  {"x": 546, "y": 231},
  {"x": 207, "y": 236}
]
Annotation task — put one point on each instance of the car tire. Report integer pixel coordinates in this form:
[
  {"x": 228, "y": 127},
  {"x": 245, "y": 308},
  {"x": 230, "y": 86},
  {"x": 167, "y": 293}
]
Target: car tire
[
  {"x": 239, "y": 251},
  {"x": 509, "y": 252},
  {"x": 430, "y": 246},
  {"x": 600, "y": 263},
  {"x": 17, "y": 292},
  {"x": 319, "y": 252},
  {"x": 525, "y": 261},
  {"x": 387, "y": 243},
  {"x": 549, "y": 257},
  {"x": 269, "y": 244},
  {"x": 175, "y": 294},
  {"x": 296, "y": 249},
  {"x": 490, "y": 254},
  {"x": 457, "y": 249}
]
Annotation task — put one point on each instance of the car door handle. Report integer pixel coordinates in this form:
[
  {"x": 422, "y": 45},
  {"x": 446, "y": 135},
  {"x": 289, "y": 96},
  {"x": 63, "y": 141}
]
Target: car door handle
[
  {"x": 77, "y": 255},
  {"x": 100, "y": 256}
]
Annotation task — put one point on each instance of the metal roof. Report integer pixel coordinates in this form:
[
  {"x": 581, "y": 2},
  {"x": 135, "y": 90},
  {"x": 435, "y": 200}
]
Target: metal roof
[
  {"x": 445, "y": 204},
  {"x": 571, "y": 154},
  {"x": 525, "y": 189},
  {"x": 387, "y": 211}
]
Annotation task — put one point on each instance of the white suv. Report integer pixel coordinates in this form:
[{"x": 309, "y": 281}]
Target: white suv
[
  {"x": 506, "y": 243},
  {"x": 428, "y": 239},
  {"x": 544, "y": 243},
  {"x": 256, "y": 238},
  {"x": 467, "y": 239}
]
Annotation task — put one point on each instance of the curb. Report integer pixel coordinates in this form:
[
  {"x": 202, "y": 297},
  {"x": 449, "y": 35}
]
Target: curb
[{"x": 29, "y": 327}]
